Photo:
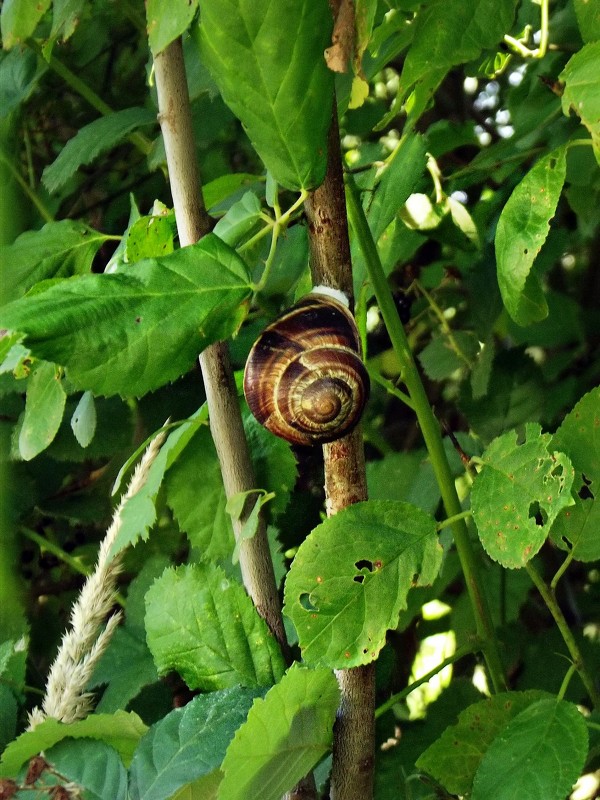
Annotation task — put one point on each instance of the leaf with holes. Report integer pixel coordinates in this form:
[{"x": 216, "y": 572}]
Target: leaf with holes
[
  {"x": 351, "y": 576},
  {"x": 522, "y": 230},
  {"x": 581, "y": 78},
  {"x": 576, "y": 528},
  {"x": 518, "y": 494}
]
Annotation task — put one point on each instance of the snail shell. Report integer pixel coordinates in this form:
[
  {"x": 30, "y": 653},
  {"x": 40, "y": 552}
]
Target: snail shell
[{"x": 304, "y": 378}]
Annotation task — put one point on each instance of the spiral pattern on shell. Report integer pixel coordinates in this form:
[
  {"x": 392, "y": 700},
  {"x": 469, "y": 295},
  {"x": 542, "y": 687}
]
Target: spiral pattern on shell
[{"x": 304, "y": 378}]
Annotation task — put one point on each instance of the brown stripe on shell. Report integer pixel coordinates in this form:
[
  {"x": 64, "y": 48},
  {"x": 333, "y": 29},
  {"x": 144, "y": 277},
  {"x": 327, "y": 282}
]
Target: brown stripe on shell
[{"x": 316, "y": 340}]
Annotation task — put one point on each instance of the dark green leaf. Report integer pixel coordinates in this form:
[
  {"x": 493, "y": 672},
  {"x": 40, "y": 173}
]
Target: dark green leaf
[
  {"x": 267, "y": 60},
  {"x": 454, "y": 758},
  {"x": 58, "y": 250},
  {"x": 93, "y": 765},
  {"x": 92, "y": 140},
  {"x": 538, "y": 755},
  {"x": 203, "y": 624},
  {"x": 285, "y": 735},
  {"x": 522, "y": 230},
  {"x": 20, "y": 72},
  {"x": 136, "y": 329},
  {"x": 343, "y": 593},
  {"x": 188, "y": 743},
  {"x": 66, "y": 15},
  {"x": 588, "y": 19}
]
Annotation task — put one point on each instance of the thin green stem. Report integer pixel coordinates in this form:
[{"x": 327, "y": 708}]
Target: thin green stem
[
  {"x": 46, "y": 544},
  {"x": 561, "y": 571},
  {"x": 580, "y": 143},
  {"x": 277, "y": 226},
  {"x": 566, "y": 681},
  {"x": 466, "y": 650},
  {"x": 431, "y": 434},
  {"x": 549, "y": 599},
  {"x": 390, "y": 387},
  {"x": 451, "y": 520},
  {"x": 443, "y": 322},
  {"x": 26, "y": 188},
  {"x": 140, "y": 141},
  {"x": 520, "y": 45}
]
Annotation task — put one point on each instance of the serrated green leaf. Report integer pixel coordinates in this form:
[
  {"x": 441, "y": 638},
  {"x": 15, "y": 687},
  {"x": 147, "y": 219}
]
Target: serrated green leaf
[
  {"x": 518, "y": 494},
  {"x": 139, "y": 511},
  {"x": 274, "y": 464},
  {"x": 188, "y": 743},
  {"x": 58, "y": 250},
  {"x": 538, "y": 755},
  {"x": 284, "y": 93},
  {"x": 19, "y": 19},
  {"x": 576, "y": 528},
  {"x": 581, "y": 93},
  {"x": 444, "y": 355},
  {"x": 454, "y": 758},
  {"x": 44, "y": 410},
  {"x": 121, "y": 730},
  {"x": 136, "y": 329},
  {"x": 522, "y": 230},
  {"x": 168, "y": 21},
  {"x": 92, "y": 140},
  {"x": 285, "y": 735},
  {"x": 203, "y": 624},
  {"x": 92, "y": 765},
  {"x": 83, "y": 421},
  {"x": 126, "y": 667},
  {"x": 588, "y": 19},
  {"x": 343, "y": 593}
]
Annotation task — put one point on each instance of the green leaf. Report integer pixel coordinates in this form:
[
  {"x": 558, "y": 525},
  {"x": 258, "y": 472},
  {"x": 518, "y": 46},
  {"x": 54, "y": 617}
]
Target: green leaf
[
  {"x": 92, "y": 140},
  {"x": 201, "y": 515},
  {"x": 576, "y": 527},
  {"x": 121, "y": 730},
  {"x": 285, "y": 735},
  {"x": 19, "y": 19},
  {"x": 267, "y": 60},
  {"x": 127, "y": 666},
  {"x": 139, "y": 512},
  {"x": 167, "y": 22},
  {"x": 518, "y": 494},
  {"x": 188, "y": 743},
  {"x": 203, "y": 624},
  {"x": 274, "y": 464},
  {"x": 522, "y": 230},
  {"x": 150, "y": 237},
  {"x": 344, "y": 592},
  {"x": 404, "y": 476},
  {"x": 454, "y": 758},
  {"x": 83, "y": 421},
  {"x": 8, "y": 715},
  {"x": 20, "y": 72},
  {"x": 93, "y": 765},
  {"x": 66, "y": 15},
  {"x": 217, "y": 191},
  {"x": 588, "y": 19},
  {"x": 240, "y": 220},
  {"x": 447, "y": 34},
  {"x": 136, "y": 329},
  {"x": 581, "y": 92},
  {"x": 43, "y": 411},
  {"x": 444, "y": 355},
  {"x": 539, "y": 755},
  {"x": 58, "y": 250},
  {"x": 397, "y": 182}
]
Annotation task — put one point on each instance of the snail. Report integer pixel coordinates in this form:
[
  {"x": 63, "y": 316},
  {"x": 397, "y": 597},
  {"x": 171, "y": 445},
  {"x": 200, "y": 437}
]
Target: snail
[{"x": 304, "y": 378}]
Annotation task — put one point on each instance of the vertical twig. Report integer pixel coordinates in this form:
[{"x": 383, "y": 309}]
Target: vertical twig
[
  {"x": 225, "y": 419},
  {"x": 345, "y": 483}
]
